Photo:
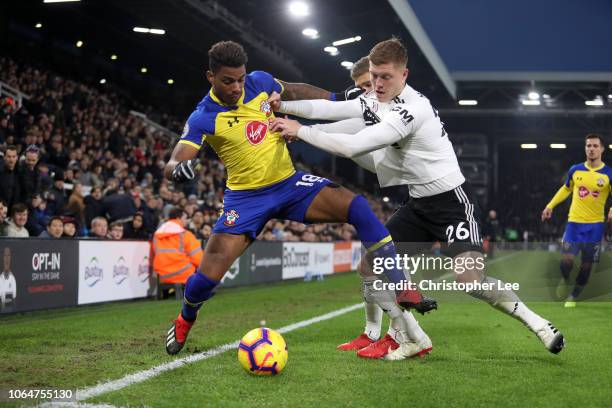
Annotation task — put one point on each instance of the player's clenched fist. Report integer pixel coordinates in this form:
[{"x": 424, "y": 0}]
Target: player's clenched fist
[
  {"x": 546, "y": 214},
  {"x": 185, "y": 171}
]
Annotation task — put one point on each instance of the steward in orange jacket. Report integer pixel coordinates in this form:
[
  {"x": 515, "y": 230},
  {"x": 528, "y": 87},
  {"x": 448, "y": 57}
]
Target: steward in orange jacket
[{"x": 177, "y": 252}]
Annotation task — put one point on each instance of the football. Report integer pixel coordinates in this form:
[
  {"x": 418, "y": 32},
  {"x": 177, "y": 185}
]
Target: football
[{"x": 263, "y": 351}]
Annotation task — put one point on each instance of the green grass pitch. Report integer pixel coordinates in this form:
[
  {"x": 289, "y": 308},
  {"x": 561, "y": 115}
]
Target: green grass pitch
[{"x": 480, "y": 357}]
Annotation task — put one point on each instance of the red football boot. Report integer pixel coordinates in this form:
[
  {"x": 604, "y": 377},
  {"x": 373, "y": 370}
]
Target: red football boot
[
  {"x": 177, "y": 335},
  {"x": 356, "y": 344},
  {"x": 380, "y": 348}
]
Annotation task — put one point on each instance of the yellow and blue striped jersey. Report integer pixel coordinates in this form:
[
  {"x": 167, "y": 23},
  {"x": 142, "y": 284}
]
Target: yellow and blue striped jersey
[
  {"x": 240, "y": 135},
  {"x": 590, "y": 188}
]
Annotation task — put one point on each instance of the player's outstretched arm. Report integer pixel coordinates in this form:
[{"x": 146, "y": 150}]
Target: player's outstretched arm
[
  {"x": 343, "y": 144},
  {"x": 293, "y": 91},
  {"x": 310, "y": 102},
  {"x": 182, "y": 164}
]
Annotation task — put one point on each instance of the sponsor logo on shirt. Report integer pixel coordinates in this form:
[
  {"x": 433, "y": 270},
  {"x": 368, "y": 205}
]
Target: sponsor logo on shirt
[
  {"x": 584, "y": 192},
  {"x": 255, "y": 132}
]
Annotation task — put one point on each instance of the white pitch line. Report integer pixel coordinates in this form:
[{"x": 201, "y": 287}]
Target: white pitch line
[{"x": 144, "y": 375}]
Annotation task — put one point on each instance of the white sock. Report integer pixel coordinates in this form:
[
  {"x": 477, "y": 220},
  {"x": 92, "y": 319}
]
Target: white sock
[
  {"x": 520, "y": 311},
  {"x": 373, "y": 315},
  {"x": 404, "y": 327},
  {"x": 508, "y": 302}
]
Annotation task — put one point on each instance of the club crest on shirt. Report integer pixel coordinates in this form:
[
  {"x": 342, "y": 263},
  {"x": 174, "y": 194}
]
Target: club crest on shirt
[
  {"x": 600, "y": 182},
  {"x": 255, "y": 131},
  {"x": 265, "y": 108},
  {"x": 230, "y": 218}
]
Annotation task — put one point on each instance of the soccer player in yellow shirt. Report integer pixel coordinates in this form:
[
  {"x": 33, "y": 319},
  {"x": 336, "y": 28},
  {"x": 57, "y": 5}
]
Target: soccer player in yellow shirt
[
  {"x": 261, "y": 181},
  {"x": 589, "y": 185}
]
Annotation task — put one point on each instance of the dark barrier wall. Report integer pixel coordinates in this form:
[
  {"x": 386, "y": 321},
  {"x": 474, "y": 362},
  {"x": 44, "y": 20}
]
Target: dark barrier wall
[
  {"x": 262, "y": 262},
  {"x": 38, "y": 274}
]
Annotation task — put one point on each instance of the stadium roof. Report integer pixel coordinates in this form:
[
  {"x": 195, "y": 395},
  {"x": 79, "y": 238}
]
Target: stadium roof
[{"x": 522, "y": 40}]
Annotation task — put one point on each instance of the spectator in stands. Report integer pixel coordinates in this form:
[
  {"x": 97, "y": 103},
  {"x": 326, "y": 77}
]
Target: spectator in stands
[
  {"x": 97, "y": 178},
  {"x": 16, "y": 226},
  {"x": 177, "y": 251},
  {"x": 29, "y": 177},
  {"x": 3, "y": 220},
  {"x": 150, "y": 214},
  {"x": 57, "y": 155},
  {"x": 76, "y": 204},
  {"x": 117, "y": 205},
  {"x": 93, "y": 205},
  {"x": 99, "y": 228},
  {"x": 55, "y": 228},
  {"x": 38, "y": 215},
  {"x": 70, "y": 227},
  {"x": 56, "y": 199},
  {"x": 10, "y": 190},
  {"x": 116, "y": 231},
  {"x": 135, "y": 229},
  {"x": 196, "y": 223},
  {"x": 205, "y": 232}
]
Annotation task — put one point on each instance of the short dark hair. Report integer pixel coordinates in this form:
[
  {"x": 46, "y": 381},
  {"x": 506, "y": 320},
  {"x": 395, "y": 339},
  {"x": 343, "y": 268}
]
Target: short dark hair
[
  {"x": 595, "y": 136},
  {"x": 226, "y": 54},
  {"x": 55, "y": 217},
  {"x": 389, "y": 51},
  {"x": 176, "y": 212},
  {"x": 360, "y": 67},
  {"x": 18, "y": 208},
  {"x": 11, "y": 147}
]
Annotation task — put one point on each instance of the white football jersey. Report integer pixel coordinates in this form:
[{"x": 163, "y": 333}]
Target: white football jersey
[
  {"x": 402, "y": 141},
  {"x": 424, "y": 158},
  {"x": 8, "y": 287}
]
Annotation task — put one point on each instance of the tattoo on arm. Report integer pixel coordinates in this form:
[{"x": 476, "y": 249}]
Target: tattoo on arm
[{"x": 297, "y": 91}]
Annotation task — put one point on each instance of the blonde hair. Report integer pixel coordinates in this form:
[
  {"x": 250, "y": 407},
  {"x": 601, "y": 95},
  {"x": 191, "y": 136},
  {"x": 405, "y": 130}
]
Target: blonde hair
[{"x": 389, "y": 51}]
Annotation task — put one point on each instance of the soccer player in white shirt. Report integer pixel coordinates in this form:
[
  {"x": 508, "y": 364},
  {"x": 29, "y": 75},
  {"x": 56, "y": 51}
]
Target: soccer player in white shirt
[
  {"x": 396, "y": 133},
  {"x": 403, "y": 327},
  {"x": 8, "y": 285}
]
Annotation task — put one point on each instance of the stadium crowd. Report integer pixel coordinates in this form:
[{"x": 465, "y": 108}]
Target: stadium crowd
[{"x": 75, "y": 163}]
